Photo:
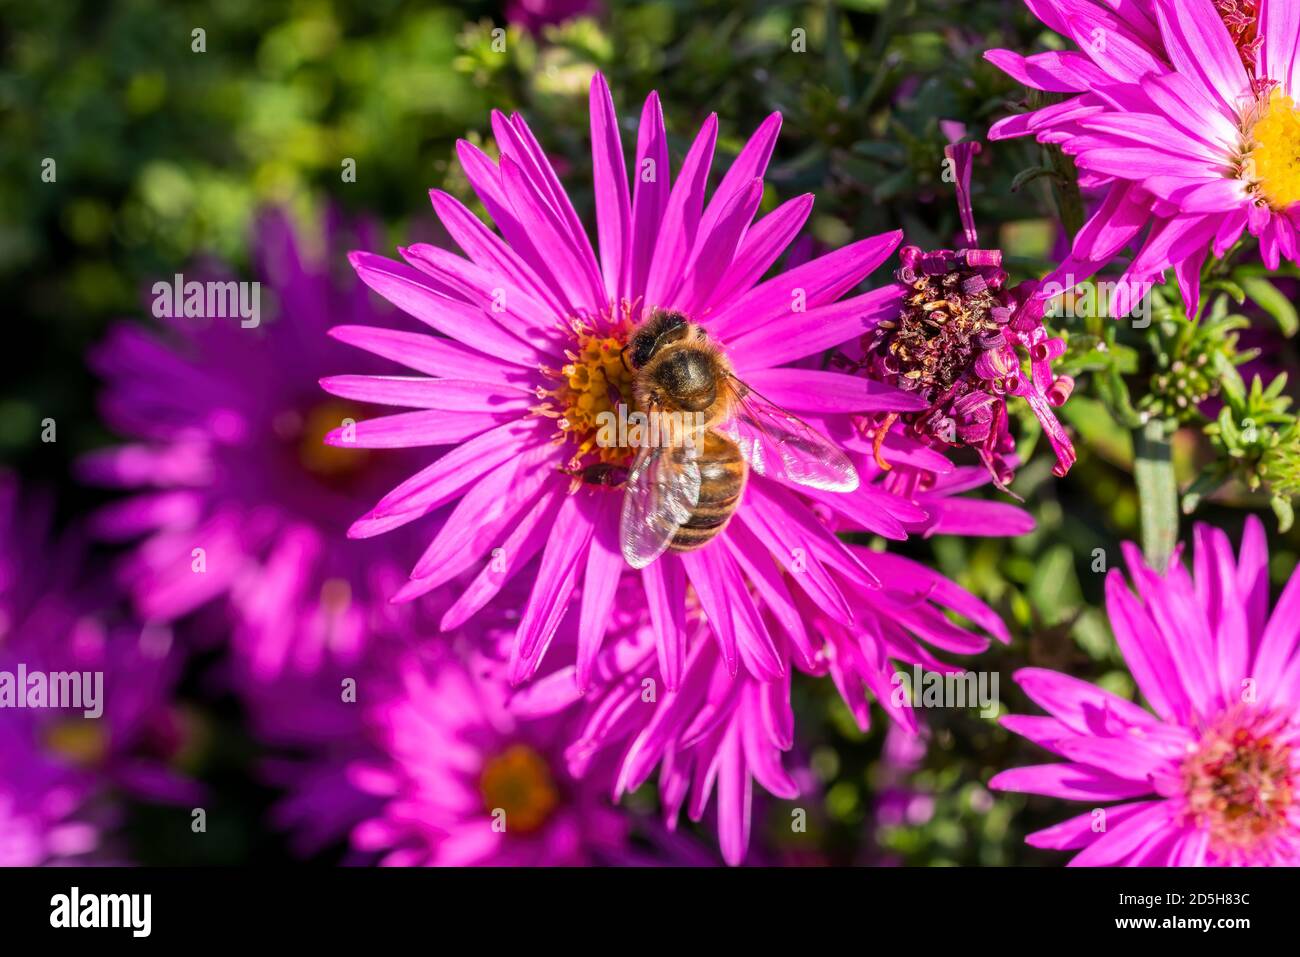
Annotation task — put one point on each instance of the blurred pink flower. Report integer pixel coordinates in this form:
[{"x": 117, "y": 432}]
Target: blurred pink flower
[
  {"x": 119, "y": 732},
  {"x": 463, "y": 781},
  {"x": 532, "y": 15},
  {"x": 228, "y": 460}
]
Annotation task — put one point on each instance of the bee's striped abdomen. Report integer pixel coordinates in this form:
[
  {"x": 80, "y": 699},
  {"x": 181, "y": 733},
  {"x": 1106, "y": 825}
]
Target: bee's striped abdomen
[{"x": 722, "y": 479}]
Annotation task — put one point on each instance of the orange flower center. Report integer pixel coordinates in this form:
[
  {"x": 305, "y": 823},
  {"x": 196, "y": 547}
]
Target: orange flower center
[{"x": 518, "y": 782}]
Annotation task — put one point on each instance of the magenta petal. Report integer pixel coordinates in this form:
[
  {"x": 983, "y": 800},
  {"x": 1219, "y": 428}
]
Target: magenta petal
[
  {"x": 414, "y": 293},
  {"x": 1126, "y": 56},
  {"x": 408, "y": 430},
  {"x": 579, "y": 279},
  {"x": 796, "y": 558},
  {"x": 604, "y": 568},
  {"x": 735, "y": 799},
  {"x": 533, "y": 531},
  {"x": 798, "y": 334},
  {"x": 816, "y": 283},
  {"x": 652, "y": 178},
  {"x": 1064, "y": 72},
  {"x": 1277, "y": 647},
  {"x": 1252, "y": 579},
  {"x": 1117, "y": 844},
  {"x": 715, "y": 249},
  {"x": 135, "y": 515},
  {"x": 1200, "y": 47},
  {"x": 442, "y": 481},
  {"x": 751, "y": 163},
  {"x": 1077, "y": 702},
  {"x": 1146, "y": 654},
  {"x": 486, "y": 511},
  {"x": 1073, "y": 782},
  {"x": 681, "y": 219},
  {"x": 711, "y": 590},
  {"x": 520, "y": 145},
  {"x": 768, "y": 584},
  {"x": 507, "y": 303},
  {"x": 448, "y": 395},
  {"x": 1080, "y": 831},
  {"x": 761, "y": 756},
  {"x": 609, "y": 182},
  {"x": 486, "y": 248},
  {"x": 1279, "y": 57},
  {"x": 762, "y": 246},
  {"x": 665, "y": 591},
  {"x": 812, "y": 390},
  {"x": 556, "y": 578},
  {"x": 428, "y": 354}
]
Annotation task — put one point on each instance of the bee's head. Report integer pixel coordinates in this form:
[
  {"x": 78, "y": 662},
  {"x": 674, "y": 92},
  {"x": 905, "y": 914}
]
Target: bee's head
[{"x": 656, "y": 332}]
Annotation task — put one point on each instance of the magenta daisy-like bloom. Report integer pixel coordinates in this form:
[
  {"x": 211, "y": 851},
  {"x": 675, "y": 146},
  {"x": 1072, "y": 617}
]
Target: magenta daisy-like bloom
[
  {"x": 532, "y": 329},
  {"x": 1211, "y": 773},
  {"x": 42, "y": 802},
  {"x": 1186, "y": 115},
  {"x": 956, "y": 344},
  {"x": 236, "y": 498},
  {"x": 314, "y": 728},
  {"x": 55, "y": 619},
  {"x": 722, "y": 733},
  {"x": 464, "y": 782}
]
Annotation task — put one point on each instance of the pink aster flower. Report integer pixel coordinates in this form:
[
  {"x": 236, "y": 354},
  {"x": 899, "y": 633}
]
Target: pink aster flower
[
  {"x": 462, "y": 781},
  {"x": 1185, "y": 113},
  {"x": 529, "y": 352},
  {"x": 956, "y": 341},
  {"x": 55, "y": 617},
  {"x": 44, "y": 816},
  {"x": 236, "y": 500},
  {"x": 313, "y": 725},
  {"x": 1211, "y": 772},
  {"x": 720, "y": 734}
]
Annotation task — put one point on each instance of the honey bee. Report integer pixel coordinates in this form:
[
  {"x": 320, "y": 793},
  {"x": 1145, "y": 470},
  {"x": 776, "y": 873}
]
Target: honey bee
[{"x": 682, "y": 491}]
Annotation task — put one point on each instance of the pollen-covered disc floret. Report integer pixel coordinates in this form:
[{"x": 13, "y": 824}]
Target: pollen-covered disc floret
[
  {"x": 1241, "y": 782},
  {"x": 1272, "y": 164},
  {"x": 959, "y": 342},
  {"x": 590, "y": 388}
]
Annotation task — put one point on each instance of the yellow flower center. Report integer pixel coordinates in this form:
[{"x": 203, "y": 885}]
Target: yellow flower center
[
  {"x": 518, "y": 782},
  {"x": 82, "y": 742},
  {"x": 1274, "y": 161},
  {"x": 308, "y": 433},
  {"x": 592, "y": 385}
]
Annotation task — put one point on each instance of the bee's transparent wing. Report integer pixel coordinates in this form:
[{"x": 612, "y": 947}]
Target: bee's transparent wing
[
  {"x": 662, "y": 491},
  {"x": 780, "y": 445}
]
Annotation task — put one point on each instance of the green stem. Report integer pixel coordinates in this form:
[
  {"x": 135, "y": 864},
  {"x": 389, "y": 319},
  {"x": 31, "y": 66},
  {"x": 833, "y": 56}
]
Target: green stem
[
  {"x": 1157, "y": 492},
  {"x": 1065, "y": 190}
]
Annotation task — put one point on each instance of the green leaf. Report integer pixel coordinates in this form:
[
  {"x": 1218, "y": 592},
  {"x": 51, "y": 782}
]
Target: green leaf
[{"x": 1271, "y": 299}]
